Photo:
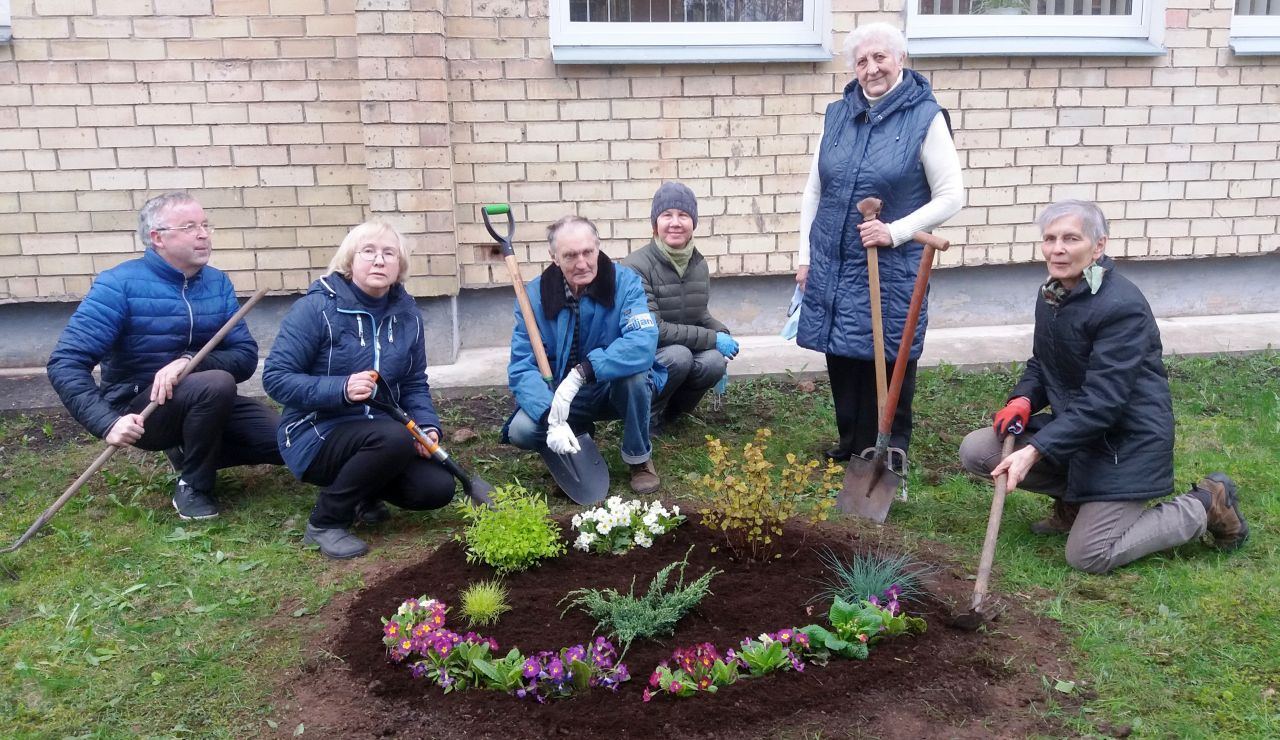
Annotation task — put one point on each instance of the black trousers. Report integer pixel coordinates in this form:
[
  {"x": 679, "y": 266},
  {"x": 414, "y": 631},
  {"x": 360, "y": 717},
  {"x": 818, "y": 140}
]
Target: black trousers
[
  {"x": 373, "y": 459},
  {"x": 853, "y": 390},
  {"x": 215, "y": 427}
]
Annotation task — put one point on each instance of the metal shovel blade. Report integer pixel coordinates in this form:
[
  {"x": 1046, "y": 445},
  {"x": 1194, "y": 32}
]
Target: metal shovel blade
[
  {"x": 583, "y": 475},
  {"x": 869, "y": 488}
]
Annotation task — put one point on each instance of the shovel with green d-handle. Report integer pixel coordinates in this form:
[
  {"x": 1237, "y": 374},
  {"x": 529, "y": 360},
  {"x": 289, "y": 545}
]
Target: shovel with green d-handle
[{"x": 583, "y": 475}]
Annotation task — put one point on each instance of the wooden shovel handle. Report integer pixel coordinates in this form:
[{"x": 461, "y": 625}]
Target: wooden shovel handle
[
  {"x": 530, "y": 321},
  {"x": 993, "y": 528},
  {"x": 870, "y": 210},
  {"x": 931, "y": 244}
]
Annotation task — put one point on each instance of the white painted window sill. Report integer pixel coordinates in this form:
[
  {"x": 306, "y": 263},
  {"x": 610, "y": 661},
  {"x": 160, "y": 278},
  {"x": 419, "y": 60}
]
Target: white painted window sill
[
  {"x": 1042, "y": 46},
  {"x": 597, "y": 54},
  {"x": 1245, "y": 46}
]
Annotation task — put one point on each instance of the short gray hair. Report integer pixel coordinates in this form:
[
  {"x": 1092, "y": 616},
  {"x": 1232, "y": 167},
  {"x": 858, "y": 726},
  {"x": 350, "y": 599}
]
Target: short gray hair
[
  {"x": 1092, "y": 222},
  {"x": 890, "y": 34},
  {"x": 357, "y": 237},
  {"x": 569, "y": 220},
  {"x": 154, "y": 209}
]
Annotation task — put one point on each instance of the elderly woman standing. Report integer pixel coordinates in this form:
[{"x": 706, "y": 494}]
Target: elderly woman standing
[
  {"x": 886, "y": 137},
  {"x": 354, "y": 321},
  {"x": 692, "y": 344}
]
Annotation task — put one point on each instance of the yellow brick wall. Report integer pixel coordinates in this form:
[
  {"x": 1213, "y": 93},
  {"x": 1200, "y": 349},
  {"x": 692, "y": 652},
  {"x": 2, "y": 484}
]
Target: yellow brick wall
[{"x": 295, "y": 119}]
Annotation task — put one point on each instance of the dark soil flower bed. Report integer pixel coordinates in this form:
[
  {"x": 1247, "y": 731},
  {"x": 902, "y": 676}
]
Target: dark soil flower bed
[{"x": 944, "y": 683}]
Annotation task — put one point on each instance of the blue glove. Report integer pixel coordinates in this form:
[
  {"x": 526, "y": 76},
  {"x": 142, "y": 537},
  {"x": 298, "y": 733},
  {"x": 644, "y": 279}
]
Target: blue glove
[{"x": 726, "y": 345}]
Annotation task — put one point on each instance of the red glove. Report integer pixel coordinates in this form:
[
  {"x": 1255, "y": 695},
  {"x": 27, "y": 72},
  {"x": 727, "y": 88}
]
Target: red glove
[{"x": 1013, "y": 418}]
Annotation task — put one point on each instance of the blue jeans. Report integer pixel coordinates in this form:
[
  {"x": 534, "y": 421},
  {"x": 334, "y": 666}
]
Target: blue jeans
[{"x": 626, "y": 398}]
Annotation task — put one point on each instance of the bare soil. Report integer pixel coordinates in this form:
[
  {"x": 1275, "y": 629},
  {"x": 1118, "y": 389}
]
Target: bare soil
[{"x": 944, "y": 683}]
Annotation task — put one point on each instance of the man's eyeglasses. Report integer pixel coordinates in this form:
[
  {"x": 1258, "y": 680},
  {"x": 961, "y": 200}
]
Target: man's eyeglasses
[
  {"x": 369, "y": 254},
  {"x": 189, "y": 228}
]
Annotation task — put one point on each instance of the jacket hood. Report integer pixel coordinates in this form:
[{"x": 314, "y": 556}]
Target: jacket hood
[
  {"x": 341, "y": 291},
  {"x": 913, "y": 88}
]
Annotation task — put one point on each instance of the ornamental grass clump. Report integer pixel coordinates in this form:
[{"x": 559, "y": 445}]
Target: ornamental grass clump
[
  {"x": 514, "y": 534},
  {"x": 872, "y": 576},
  {"x": 627, "y": 617},
  {"x": 619, "y": 526},
  {"x": 749, "y": 507},
  {"x": 483, "y": 603}
]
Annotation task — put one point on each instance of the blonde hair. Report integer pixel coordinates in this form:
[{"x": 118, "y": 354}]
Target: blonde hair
[{"x": 341, "y": 262}]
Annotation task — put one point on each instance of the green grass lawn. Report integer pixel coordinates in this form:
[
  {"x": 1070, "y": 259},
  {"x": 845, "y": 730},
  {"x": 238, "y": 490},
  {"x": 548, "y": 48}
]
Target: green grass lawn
[{"x": 121, "y": 620}]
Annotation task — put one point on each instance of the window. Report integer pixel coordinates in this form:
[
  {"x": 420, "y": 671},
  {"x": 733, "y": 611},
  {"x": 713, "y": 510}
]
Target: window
[
  {"x": 659, "y": 31},
  {"x": 6, "y": 33},
  {"x": 1035, "y": 27},
  {"x": 1255, "y": 27}
]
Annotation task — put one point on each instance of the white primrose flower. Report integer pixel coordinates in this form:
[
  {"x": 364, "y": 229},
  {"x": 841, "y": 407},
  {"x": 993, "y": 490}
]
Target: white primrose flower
[
  {"x": 643, "y": 540},
  {"x": 675, "y": 511},
  {"x": 577, "y": 521},
  {"x": 584, "y": 541}
]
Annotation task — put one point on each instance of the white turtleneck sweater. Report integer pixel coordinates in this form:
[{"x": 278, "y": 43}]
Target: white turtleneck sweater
[{"x": 941, "y": 168}]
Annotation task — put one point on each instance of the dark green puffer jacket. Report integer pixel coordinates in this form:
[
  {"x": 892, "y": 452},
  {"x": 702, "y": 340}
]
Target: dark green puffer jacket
[{"x": 678, "y": 303}]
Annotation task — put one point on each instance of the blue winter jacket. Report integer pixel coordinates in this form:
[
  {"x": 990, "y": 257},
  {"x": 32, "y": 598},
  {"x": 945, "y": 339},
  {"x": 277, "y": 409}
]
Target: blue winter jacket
[
  {"x": 138, "y": 317},
  {"x": 866, "y": 152},
  {"x": 327, "y": 336},
  {"x": 617, "y": 335}
]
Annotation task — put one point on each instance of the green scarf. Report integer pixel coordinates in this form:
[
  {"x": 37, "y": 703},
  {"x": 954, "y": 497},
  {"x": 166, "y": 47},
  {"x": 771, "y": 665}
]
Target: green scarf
[{"x": 679, "y": 258}]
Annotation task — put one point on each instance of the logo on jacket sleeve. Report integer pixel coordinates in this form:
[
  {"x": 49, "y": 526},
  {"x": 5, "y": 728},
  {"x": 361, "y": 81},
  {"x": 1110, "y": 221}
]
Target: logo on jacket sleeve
[{"x": 640, "y": 321}]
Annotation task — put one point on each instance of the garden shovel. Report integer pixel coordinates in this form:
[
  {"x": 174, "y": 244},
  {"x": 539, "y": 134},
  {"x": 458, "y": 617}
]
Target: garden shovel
[
  {"x": 869, "y": 483},
  {"x": 475, "y": 488},
  {"x": 111, "y": 450},
  {"x": 976, "y": 617},
  {"x": 583, "y": 475}
]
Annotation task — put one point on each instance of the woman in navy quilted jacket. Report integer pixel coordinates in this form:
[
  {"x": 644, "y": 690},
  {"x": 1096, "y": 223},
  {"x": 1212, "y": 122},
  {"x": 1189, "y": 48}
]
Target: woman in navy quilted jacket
[
  {"x": 886, "y": 137},
  {"x": 355, "y": 320}
]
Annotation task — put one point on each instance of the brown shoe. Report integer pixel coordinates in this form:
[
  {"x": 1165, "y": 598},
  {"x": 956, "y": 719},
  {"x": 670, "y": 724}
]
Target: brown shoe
[
  {"x": 1060, "y": 521},
  {"x": 1226, "y": 523},
  {"x": 644, "y": 477}
]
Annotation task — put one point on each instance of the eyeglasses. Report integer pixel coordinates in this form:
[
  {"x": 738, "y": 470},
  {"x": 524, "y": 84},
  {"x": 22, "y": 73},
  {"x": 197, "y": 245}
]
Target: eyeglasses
[
  {"x": 189, "y": 228},
  {"x": 370, "y": 253}
]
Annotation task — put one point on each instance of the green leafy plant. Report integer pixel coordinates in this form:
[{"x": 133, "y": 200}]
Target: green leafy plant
[
  {"x": 627, "y": 617},
  {"x": 513, "y": 535},
  {"x": 871, "y": 575},
  {"x": 749, "y": 507},
  {"x": 855, "y": 627},
  {"x": 484, "y": 602}
]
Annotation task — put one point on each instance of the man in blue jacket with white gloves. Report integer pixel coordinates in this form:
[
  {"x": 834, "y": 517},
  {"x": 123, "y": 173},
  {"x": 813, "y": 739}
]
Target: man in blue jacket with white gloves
[
  {"x": 142, "y": 322},
  {"x": 601, "y": 342}
]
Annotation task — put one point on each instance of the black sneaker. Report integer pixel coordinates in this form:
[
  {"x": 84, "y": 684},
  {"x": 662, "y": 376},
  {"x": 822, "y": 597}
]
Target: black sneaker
[
  {"x": 839, "y": 454},
  {"x": 372, "y": 511},
  {"x": 335, "y": 542},
  {"x": 192, "y": 504}
]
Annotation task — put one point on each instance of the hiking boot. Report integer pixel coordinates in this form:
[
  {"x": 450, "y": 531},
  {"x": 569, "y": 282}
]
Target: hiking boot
[
  {"x": 644, "y": 477},
  {"x": 1060, "y": 521},
  {"x": 1226, "y": 523},
  {"x": 335, "y": 542},
  {"x": 192, "y": 504},
  {"x": 372, "y": 511}
]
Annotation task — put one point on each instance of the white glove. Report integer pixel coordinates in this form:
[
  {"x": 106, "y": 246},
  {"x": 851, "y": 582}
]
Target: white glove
[
  {"x": 563, "y": 399},
  {"x": 561, "y": 439}
]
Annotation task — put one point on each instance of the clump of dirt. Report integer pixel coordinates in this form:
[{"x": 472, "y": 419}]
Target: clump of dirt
[{"x": 944, "y": 683}]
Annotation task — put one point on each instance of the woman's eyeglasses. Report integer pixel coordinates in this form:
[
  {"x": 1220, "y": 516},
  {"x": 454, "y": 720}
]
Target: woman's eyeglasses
[{"x": 369, "y": 254}]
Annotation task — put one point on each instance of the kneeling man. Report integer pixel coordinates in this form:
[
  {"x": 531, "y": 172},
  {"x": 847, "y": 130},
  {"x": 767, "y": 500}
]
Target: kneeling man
[{"x": 601, "y": 343}]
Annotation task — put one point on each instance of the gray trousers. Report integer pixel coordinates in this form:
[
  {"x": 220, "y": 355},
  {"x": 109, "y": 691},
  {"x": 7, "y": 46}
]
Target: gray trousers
[
  {"x": 1106, "y": 534},
  {"x": 689, "y": 376}
]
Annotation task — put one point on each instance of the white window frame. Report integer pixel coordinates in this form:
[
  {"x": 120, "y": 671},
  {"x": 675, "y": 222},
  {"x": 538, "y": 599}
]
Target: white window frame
[
  {"x": 808, "y": 40},
  {"x": 1253, "y": 35},
  {"x": 1140, "y": 33}
]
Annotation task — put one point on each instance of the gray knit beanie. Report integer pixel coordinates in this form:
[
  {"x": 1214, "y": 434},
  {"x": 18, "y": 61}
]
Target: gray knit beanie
[{"x": 674, "y": 195}]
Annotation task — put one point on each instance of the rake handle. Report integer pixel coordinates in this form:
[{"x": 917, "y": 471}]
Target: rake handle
[{"x": 988, "y": 557}]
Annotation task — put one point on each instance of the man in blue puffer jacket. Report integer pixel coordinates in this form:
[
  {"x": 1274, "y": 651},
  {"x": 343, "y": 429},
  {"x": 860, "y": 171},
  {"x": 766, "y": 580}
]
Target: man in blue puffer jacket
[
  {"x": 142, "y": 322},
  {"x": 601, "y": 342}
]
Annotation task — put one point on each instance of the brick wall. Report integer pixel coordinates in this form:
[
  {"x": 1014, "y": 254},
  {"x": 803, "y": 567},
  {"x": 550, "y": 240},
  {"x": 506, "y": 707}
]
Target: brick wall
[{"x": 295, "y": 119}]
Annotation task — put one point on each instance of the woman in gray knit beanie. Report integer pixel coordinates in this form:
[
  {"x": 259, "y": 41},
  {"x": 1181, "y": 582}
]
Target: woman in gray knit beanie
[{"x": 692, "y": 345}]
